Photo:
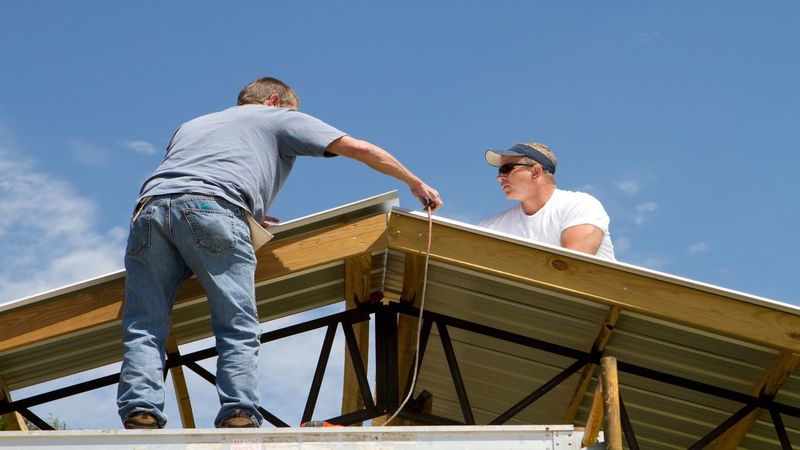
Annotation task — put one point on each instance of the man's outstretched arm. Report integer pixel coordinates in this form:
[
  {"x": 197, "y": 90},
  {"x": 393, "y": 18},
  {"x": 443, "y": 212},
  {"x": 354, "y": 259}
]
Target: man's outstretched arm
[{"x": 383, "y": 161}]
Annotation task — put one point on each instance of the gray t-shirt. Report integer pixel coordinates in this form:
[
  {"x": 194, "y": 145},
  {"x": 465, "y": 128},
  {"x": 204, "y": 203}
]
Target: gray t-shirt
[{"x": 243, "y": 154}]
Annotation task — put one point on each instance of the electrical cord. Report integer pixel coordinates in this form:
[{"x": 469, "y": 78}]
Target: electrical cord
[{"x": 419, "y": 319}]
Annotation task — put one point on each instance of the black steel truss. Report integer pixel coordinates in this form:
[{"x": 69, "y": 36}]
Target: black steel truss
[
  {"x": 582, "y": 358},
  {"x": 387, "y": 391}
]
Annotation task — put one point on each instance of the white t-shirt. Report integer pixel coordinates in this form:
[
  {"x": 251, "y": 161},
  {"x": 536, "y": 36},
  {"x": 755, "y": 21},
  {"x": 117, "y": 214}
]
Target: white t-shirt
[{"x": 564, "y": 209}]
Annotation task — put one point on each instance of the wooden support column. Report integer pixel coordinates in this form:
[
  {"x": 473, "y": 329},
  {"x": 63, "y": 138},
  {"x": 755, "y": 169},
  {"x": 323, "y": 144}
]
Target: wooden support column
[
  {"x": 613, "y": 426},
  {"x": 181, "y": 390},
  {"x": 357, "y": 276},
  {"x": 588, "y": 371},
  {"x": 595, "y": 420},
  {"x": 13, "y": 420},
  {"x": 407, "y": 328},
  {"x": 407, "y": 325},
  {"x": 769, "y": 385}
]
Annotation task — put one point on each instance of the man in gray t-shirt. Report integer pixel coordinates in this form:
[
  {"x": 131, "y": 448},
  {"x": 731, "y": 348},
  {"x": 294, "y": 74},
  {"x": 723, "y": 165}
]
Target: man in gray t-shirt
[
  {"x": 192, "y": 218},
  {"x": 242, "y": 154}
]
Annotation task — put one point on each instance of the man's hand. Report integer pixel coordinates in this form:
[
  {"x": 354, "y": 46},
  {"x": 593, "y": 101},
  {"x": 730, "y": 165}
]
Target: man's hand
[
  {"x": 428, "y": 196},
  {"x": 269, "y": 221}
]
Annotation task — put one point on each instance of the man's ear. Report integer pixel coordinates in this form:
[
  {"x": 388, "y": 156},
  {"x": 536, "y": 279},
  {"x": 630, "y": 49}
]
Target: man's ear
[{"x": 273, "y": 100}]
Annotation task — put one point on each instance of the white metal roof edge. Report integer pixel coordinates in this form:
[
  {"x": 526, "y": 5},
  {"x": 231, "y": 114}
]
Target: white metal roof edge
[
  {"x": 386, "y": 201},
  {"x": 650, "y": 273}
]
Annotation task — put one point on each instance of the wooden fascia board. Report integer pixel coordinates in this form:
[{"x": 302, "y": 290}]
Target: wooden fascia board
[
  {"x": 597, "y": 282},
  {"x": 101, "y": 304}
]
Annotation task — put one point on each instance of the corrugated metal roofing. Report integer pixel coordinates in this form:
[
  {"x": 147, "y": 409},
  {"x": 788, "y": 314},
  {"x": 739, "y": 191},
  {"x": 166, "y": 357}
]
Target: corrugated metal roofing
[
  {"x": 666, "y": 324},
  {"x": 498, "y": 373}
]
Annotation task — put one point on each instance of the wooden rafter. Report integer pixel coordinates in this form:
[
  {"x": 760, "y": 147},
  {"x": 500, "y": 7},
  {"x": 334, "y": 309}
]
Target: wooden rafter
[{"x": 596, "y": 282}]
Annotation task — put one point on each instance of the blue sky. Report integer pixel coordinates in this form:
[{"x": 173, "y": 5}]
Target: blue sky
[{"x": 681, "y": 117}]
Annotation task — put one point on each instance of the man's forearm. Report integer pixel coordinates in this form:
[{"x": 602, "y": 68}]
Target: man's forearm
[
  {"x": 374, "y": 157},
  {"x": 384, "y": 162}
]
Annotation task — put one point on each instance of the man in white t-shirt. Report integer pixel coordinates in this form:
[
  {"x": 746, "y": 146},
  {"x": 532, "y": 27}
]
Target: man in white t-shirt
[{"x": 573, "y": 220}]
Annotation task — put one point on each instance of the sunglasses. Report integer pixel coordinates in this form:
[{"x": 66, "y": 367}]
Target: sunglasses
[{"x": 505, "y": 169}]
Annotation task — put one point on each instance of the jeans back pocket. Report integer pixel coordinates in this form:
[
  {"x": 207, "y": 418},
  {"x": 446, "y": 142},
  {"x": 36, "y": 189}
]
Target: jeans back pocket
[
  {"x": 139, "y": 236},
  {"x": 213, "y": 230}
]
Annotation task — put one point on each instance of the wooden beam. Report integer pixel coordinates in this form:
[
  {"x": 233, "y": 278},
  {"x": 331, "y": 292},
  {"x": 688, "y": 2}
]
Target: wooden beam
[
  {"x": 595, "y": 420},
  {"x": 413, "y": 276},
  {"x": 181, "y": 390},
  {"x": 13, "y": 421},
  {"x": 769, "y": 385},
  {"x": 102, "y": 304},
  {"x": 612, "y": 431},
  {"x": 357, "y": 271},
  {"x": 407, "y": 325},
  {"x": 630, "y": 291},
  {"x": 64, "y": 314},
  {"x": 588, "y": 372}
]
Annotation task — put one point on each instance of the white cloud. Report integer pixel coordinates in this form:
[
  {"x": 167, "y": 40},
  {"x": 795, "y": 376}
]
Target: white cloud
[
  {"x": 643, "y": 210},
  {"x": 699, "y": 247},
  {"x": 629, "y": 187},
  {"x": 141, "y": 147},
  {"x": 47, "y": 231}
]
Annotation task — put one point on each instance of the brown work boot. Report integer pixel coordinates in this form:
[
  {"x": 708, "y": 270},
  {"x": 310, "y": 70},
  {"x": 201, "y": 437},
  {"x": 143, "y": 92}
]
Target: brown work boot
[
  {"x": 143, "y": 420},
  {"x": 239, "y": 419}
]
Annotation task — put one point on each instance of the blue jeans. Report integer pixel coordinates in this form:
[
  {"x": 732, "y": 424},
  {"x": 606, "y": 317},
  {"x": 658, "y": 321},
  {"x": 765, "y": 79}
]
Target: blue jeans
[{"x": 173, "y": 237}]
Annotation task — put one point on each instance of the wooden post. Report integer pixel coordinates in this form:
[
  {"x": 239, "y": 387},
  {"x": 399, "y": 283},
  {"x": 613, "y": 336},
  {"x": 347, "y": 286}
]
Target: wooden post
[
  {"x": 595, "y": 419},
  {"x": 13, "y": 420},
  {"x": 181, "y": 390},
  {"x": 407, "y": 325},
  {"x": 356, "y": 286},
  {"x": 407, "y": 328},
  {"x": 613, "y": 426},
  {"x": 588, "y": 372}
]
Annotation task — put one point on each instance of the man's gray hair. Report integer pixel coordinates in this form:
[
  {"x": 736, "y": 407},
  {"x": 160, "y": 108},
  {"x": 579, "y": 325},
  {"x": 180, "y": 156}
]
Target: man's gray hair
[{"x": 263, "y": 88}]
